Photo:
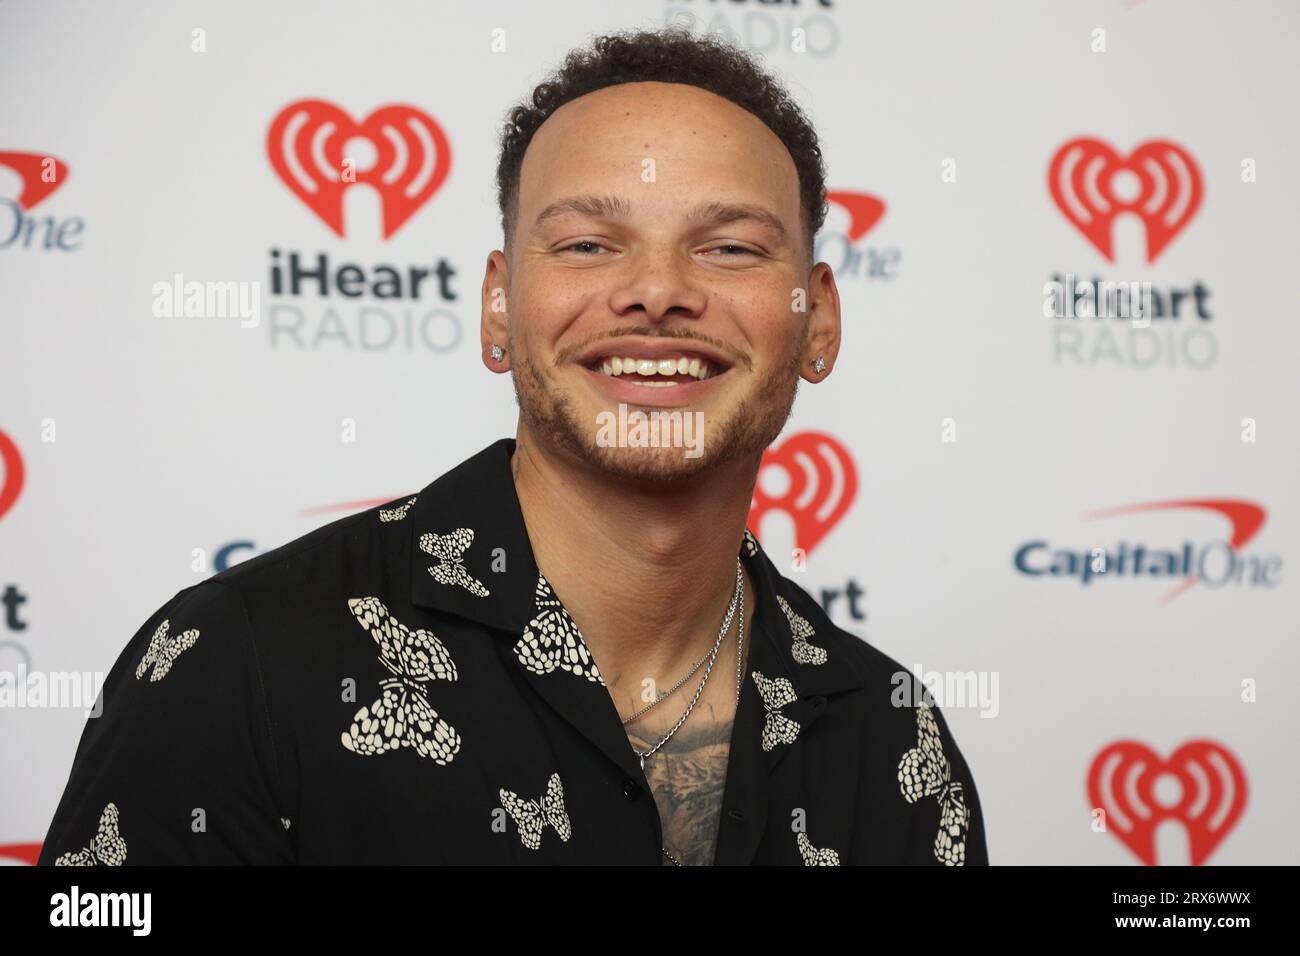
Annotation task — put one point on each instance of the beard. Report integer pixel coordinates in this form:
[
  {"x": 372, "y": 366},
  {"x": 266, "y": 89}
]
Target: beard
[{"x": 750, "y": 427}]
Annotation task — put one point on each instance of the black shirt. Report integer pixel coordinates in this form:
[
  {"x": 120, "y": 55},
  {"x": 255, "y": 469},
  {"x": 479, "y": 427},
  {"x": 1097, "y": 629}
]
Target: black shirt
[{"x": 403, "y": 686}]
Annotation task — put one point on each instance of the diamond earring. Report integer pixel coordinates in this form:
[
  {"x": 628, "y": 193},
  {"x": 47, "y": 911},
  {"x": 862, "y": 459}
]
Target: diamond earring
[
  {"x": 819, "y": 363},
  {"x": 498, "y": 353}
]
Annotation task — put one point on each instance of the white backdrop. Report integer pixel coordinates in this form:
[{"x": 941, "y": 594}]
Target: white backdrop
[{"x": 975, "y": 424}]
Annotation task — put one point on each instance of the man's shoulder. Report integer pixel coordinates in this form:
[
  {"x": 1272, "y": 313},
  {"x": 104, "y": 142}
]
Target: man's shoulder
[
  {"x": 903, "y": 727},
  {"x": 368, "y": 549},
  {"x": 876, "y": 669},
  {"x": 362, "y": 534},
  {"x": 895, "y": 705},
  {"x": 371, "y": 533}
]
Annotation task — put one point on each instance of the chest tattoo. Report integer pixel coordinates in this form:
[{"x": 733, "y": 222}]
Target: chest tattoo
[{"x": 687, "y": 776}]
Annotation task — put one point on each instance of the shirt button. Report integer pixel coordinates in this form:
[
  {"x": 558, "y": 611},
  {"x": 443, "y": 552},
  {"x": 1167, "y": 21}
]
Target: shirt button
[{"x": 630, "y": 789}]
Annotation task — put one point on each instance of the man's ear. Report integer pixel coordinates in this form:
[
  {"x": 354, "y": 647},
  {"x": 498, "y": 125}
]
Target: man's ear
[
  {"x": 823, "y": 324},
  {"x": 493, "y": 326}
]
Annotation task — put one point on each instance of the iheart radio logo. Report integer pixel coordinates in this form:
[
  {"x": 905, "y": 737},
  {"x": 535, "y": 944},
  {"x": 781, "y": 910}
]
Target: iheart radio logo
[
  {"x": 308, "y": 143},
  {"x": 41, "y": 175},
  {"x": 27, "y": 853},
  {"x": 11, "y": 478},
  {"x": 1092, "y": 184},
  {"x": 1212, "y": 794},
  {"x": 815, "y": 482}
]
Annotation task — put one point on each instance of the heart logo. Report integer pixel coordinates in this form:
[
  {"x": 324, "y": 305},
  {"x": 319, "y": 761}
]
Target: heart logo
[
  {"x": 307, "y": 142},
  {"x": 27, "y": 853},
  {"x": 820, "y": 482},
  {"x": 1123, "y": 778},
  {"x": 11, "y": 480},
  {"x": 1159, "y": 182}
]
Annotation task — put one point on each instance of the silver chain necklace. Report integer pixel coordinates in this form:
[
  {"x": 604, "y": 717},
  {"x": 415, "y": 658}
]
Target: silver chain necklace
[
  {"x": 726, "y": 626},
  {"x": 738, "y": 596},
  {"x": 722, "y": 632},
  {"x": 740, "y": 644}
]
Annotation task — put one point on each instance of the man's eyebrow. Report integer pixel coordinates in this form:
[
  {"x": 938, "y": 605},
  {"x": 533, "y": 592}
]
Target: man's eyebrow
[
  {"x": 616, "y": 207},
  {"x": 598, "y": 207},
  {"x": 720, "y": 213}
]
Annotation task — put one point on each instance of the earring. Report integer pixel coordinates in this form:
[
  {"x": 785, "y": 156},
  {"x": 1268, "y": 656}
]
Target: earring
[
  {"x": 819, "y": 363},
  {"x": 498, "y": 353}
]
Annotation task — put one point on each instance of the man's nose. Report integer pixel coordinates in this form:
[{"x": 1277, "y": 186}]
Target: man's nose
[{"x": 658, "y": 285}]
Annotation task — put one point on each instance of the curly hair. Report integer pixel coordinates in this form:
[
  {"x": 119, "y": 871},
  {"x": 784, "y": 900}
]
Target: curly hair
[{"x": 670, "y": 55}]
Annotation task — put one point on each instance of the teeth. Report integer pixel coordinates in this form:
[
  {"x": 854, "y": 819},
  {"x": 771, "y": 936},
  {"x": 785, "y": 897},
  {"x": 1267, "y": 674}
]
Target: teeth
[{"x": 682, "y": 365}]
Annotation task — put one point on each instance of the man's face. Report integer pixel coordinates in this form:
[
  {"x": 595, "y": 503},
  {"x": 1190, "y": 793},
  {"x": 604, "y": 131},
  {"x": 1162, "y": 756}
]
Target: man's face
[{"x": 658, "y": 230}]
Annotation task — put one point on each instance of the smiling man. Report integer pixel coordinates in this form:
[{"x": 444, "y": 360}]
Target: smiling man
[{"x": 567, "y": 649}]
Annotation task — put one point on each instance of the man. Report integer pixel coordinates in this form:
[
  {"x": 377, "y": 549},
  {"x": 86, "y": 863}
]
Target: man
[{"x": 567, "y": 649}]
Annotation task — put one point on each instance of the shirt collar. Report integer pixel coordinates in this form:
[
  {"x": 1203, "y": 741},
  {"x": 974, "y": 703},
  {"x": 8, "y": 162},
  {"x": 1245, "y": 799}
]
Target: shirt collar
[{"x": 471, "y": 557}]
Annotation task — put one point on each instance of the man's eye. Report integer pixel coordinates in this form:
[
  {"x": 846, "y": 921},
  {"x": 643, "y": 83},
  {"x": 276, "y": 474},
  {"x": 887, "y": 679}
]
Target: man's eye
[
  {"x": 585, "y": 246},
  {"x": 731, "y": 249}
]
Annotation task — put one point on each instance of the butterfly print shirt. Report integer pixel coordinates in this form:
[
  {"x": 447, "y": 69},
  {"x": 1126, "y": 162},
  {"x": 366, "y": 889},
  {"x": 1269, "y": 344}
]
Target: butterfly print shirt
[{"x": 403, "y": 686}]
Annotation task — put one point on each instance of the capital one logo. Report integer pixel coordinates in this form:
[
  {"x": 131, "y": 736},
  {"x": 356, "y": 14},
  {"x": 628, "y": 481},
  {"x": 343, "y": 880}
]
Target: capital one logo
[
  {"x": 1092, "y": 185},
  {"x": 843, "y": 248},
  {"x": 810, "y": 477},
  {"x": 41, "y": 175},
  {"x": 864, "y": 211},
  {"x": 1202, "y": 786},
  {"x": 1245, "y": 518},
  {"x": 319, "y": 152}
]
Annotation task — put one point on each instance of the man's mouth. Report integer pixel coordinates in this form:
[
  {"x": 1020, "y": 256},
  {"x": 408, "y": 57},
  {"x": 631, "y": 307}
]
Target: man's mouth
[{"x": 658, "y": 372}]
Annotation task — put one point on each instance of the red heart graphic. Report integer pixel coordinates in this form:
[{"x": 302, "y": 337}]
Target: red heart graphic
[
  {"x": 11, "y": 482},
  {"x": 1082, "y": 180},
  {"x": 1122, "y": 782},
  {"x": 306, "y": 143},
  {"x": 823, "y": 484},
  {"x": 27, "y": 853}
]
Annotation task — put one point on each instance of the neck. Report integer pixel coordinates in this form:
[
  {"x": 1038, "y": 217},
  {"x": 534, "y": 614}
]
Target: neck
[{"x": 646, "y": 569}]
